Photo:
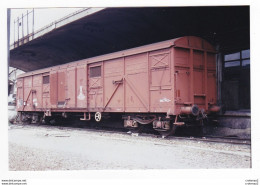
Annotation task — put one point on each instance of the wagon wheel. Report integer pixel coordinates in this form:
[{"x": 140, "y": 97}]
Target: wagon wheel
[
  {"x": 47, "y": 120},
  {"x": 41, "y": 120},
  {"x": 168, "y": 132},
  {"x": 136, "y": 129},
  {"x": 98, "y": 116}
]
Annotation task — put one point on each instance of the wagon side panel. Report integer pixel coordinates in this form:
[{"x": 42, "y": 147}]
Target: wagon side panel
[
  {"x": 28, "y": 103},
  {"x": 81, "y": 92},
  {"x": 212, "y": 83},
  {"x": 199, "y": 78},
  {"x": 182, "y": 76},
  {"x": 62, "y": 87},
  {"x": 37, "y": 94},
  {"x": 162, "y": 98},
  {"x": 53, "y": 89},
  {"x": 95, "y": 87},
  {"x": 195, "y": 73},
  {"x": 136, "y": 86},
  {"x": 70, "y": 88},
  {"x": 46, "y": 104},
  {"x": 19, "y": 99},
  {"x": 113, "y": 85}
]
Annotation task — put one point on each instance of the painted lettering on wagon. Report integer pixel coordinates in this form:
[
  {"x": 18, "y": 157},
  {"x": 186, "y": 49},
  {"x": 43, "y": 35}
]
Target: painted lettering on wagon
[{"x": 164, "y": 100}]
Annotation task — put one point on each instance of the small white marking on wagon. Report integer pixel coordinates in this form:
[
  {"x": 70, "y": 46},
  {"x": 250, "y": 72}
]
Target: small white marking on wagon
[
  {"x": 81, "y": 96},
  {"x": 164, "y": 100}
]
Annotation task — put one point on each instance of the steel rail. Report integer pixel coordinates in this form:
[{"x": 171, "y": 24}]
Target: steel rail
[{"x": 123, "y": 131}]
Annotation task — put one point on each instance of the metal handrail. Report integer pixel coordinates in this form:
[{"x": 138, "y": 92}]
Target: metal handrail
[{"x": 49, "y": 25}]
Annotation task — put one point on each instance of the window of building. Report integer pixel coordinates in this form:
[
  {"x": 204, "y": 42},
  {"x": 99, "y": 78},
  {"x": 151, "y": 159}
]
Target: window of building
[
  {"x": 232, "y": 63},
  {"x": 246, "y": 58},
  {"x": 238, "y": 59},
  {"x": 95, "y": 72},
  {"x": 236, "y": 80},
  {"x": 232, "y": 56}
]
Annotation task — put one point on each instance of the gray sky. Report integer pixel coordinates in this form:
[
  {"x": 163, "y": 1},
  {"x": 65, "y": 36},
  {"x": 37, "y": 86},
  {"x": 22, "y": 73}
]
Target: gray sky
[{"x": 42, "y": 17}]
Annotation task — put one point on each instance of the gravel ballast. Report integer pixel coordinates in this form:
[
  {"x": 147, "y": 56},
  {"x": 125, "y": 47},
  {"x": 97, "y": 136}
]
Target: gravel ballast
[{"x": 38, "y": 148}]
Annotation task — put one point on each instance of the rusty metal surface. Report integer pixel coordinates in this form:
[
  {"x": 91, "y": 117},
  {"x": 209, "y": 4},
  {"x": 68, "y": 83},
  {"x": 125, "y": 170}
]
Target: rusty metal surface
[
  {"x": 158, "y": 78},
  {"x": 194, "y": 110}
]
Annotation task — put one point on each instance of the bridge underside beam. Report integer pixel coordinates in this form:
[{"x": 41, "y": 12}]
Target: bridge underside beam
[{"x": 115, "y": 29}]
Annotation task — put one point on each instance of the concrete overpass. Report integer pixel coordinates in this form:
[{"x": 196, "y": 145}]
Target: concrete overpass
[{"x": 96, "y": 31}]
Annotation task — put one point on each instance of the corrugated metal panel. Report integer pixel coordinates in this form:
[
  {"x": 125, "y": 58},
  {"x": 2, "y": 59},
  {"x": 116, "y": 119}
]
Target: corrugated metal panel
[
  {"x": 19, "y": 96},
  {"x": 27, "y": 95},
  {"x": 212, "y": 88},
  {"x": 182, "y": 87},
  {"x": 114, "y": 92},
  {"x": 71, "y": 87},
  {"x": 211, "y": 59},
  {"x": 81, "y": 92},
  {"x": 181, "y": 57},
  {"x": 46, "y": 96},
  {"x": 37, "y": 95},
  {"x": 62, "y": 85},
  {"x": 198, "y": 82},
  {"x": 53, "y": 88},
  {"x": 160, "y": 80},
  {"x": 136, "y": 86}
]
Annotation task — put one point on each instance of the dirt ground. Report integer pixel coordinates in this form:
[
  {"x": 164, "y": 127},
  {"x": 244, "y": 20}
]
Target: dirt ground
[{"x": 38, "y": 148}]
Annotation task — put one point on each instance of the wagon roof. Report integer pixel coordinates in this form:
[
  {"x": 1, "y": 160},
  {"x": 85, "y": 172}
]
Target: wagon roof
[{"x": 184, "y": 42}]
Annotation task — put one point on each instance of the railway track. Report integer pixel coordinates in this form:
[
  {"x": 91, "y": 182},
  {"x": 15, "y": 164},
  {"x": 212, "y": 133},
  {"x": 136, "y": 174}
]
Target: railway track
[
  {"x": 215, "y": 139},
  {"x": 153, "y": 134}
]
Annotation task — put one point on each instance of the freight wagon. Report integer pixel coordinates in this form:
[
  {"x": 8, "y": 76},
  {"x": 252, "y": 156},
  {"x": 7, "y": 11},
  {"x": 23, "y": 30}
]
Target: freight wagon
[{"x": 166, "y": 84}]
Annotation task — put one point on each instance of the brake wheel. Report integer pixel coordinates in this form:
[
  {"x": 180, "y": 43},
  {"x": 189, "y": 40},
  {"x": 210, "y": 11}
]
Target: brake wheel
[{"x": 98, "y": 116}]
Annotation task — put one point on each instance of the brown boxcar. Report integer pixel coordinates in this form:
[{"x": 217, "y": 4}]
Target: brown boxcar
[{"x": 164, "y": 84}]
